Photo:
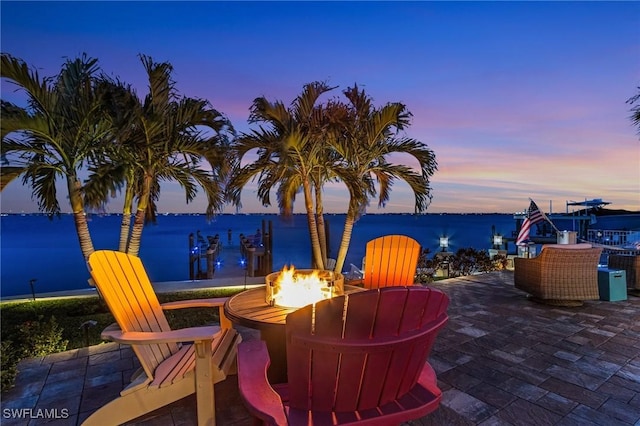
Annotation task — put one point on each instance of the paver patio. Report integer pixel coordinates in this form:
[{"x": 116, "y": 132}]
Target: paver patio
[{"x": 501, "y": 360}]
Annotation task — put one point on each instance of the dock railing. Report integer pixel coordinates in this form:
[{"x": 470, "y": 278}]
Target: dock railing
[
  {"x": 613, "y": 238},
  {"x": 209, "y": 250},
  {"x": 615, "y": 241}
]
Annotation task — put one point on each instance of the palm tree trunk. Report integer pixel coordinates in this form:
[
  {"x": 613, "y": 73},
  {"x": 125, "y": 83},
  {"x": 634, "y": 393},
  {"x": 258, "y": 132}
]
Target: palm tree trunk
[
  {"x": 125, "y": 226},
  {"x": 313, "y": 229},
  {"x": 133, "y": 247},
  {"x": 79, "y": 217},
  {"x": 136, "y": 233},
  {"x": 322, "y": 236},
  {"x": 84, "y": 237},
  {"x": 346, "y": 239}
]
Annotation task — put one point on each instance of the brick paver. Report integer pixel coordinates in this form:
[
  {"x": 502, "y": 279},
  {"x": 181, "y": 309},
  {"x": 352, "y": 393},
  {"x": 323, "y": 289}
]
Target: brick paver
[{"x": 501, "y": 360}]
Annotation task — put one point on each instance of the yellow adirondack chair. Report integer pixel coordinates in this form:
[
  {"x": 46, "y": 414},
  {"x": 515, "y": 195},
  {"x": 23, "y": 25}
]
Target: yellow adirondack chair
[
  {"x": 390, "y": 260},
  {"x": 170, "y": 368}
]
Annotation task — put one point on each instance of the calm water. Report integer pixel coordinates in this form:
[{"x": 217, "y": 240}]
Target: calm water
[{"x": 34, "y": 247}]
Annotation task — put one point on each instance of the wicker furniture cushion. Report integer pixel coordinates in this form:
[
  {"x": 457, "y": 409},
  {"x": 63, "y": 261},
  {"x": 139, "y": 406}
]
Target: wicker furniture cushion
[{"x": 580, "y": 246}]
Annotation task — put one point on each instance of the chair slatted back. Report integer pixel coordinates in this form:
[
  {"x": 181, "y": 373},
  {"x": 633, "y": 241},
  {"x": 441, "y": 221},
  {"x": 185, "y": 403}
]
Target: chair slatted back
[
  {"x": 362, "y": 350},
  {"x": 124, "y": 285},
  {"x": 391, "y": 260}
]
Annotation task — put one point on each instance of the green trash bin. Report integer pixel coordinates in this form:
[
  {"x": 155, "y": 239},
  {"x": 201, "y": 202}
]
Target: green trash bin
[{"x": 612, "y": 284}]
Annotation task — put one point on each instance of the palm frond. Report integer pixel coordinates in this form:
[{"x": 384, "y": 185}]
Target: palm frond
[
  {"x": 42, "y": 178},
  {"x": 8, "y": 174}
]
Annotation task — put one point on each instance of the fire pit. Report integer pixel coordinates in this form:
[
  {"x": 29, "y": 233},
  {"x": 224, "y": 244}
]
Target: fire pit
[
  {"x": 253, "y": 309},
  {"x": 296, "y": 288}
]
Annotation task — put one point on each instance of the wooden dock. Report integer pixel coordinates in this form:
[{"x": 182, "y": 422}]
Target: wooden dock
[{"x": 250, "y": 255}]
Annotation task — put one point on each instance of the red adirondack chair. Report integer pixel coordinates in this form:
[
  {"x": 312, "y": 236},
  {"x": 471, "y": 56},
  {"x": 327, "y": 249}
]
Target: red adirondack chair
[{"x": 358, "y": 358}]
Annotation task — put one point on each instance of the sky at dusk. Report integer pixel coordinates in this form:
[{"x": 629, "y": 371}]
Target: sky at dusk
[{"x": 518, "y": 100}]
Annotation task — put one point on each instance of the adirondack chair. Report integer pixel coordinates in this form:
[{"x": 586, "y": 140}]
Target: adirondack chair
[
  {"x": 358, "y": 358},
  {"x": 170, "y": 369},
  {"x": 390, "y": 260}
]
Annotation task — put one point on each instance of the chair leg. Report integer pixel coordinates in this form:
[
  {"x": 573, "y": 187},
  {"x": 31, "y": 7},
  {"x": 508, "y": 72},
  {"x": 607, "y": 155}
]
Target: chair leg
[
  {"x": 204, "y": 385},
  {"x": 135, "y": 404}
]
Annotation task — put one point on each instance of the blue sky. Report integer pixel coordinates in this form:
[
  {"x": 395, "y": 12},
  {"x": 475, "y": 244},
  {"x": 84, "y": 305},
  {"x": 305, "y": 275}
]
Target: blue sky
[{"x": 517, "y": 99}]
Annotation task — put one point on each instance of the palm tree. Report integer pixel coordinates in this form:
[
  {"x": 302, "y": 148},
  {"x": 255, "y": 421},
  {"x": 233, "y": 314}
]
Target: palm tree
[
  {"x": 635, "y": 110},
  {"x": 289, "y": 153},
  {"x": 55, "y": 136},
  {"x": 10, "y": 113},
  {"x": 365, "y": 140},
  {"x": 114, "y": 169},
  {"x": 163, "y": 138}
]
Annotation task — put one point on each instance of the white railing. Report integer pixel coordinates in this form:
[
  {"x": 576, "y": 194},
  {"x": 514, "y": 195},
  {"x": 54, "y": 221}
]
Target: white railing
[{"x": 620, "y": 240}]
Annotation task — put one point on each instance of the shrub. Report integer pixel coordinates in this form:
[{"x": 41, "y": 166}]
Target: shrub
[
  {"x": 45, "y": 326},
  {"x": 9, "y": 359},
  {"x": 42, "y": 338},
  {"x": 499, "y": 262},
  {"x": 34, "y": 338},
  {"x": 466, "y": 261},
  {"x": 426, "y": 268}
]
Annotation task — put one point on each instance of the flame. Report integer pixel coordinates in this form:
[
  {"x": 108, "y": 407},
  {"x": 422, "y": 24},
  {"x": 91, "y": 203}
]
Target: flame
[{"x": 295, "y": 290}]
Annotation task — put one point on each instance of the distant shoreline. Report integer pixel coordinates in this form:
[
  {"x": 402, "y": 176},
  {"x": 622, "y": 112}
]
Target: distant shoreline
[{"x": 256, "y": 214}]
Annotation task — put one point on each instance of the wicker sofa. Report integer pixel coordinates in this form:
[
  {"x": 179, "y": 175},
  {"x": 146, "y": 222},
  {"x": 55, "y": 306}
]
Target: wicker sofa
[
  {"x": 631, "y": 265},
  {"x": 562, "y": 274}
]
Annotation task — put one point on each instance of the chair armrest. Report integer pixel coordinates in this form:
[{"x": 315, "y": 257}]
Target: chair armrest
[
  {"x": 526, "y": 264},
  {"x": 191, "y": 334},
  {"x": 527, "y": 274},
  {"x": 202, "y": 303},
  {"x": 195, "y": 303},
  {"x": 259, "y": 397}
]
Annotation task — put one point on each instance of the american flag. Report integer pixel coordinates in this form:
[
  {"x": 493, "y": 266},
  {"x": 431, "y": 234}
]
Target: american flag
[{"x": 534, "y": 216}]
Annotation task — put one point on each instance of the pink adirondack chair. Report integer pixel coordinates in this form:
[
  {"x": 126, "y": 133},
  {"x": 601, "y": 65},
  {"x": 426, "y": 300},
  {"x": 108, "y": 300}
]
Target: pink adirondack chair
[{"x": 358, "y": 358}]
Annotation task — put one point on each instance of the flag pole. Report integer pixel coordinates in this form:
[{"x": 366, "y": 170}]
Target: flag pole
[{"x": 545, "y": 217}]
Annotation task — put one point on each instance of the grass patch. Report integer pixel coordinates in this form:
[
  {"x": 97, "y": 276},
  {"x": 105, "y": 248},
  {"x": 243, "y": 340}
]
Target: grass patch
[{"x": 44, "y": 326}]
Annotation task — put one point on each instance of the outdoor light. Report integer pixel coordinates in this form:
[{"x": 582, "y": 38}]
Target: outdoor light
[
  {"x": 497, "y": 240},
  {"x": 243, "y": 263},
  {"x": 444, "y": 243},
  {"x": 33, "y": 290}
]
